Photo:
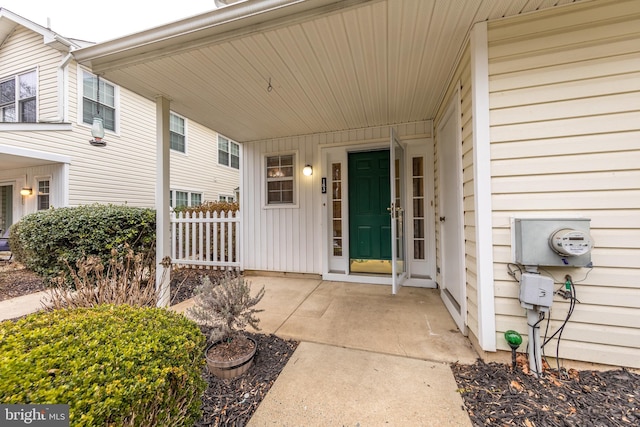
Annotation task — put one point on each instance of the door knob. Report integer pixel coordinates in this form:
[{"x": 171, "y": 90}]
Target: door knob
[{"x": 441, "y": 219}]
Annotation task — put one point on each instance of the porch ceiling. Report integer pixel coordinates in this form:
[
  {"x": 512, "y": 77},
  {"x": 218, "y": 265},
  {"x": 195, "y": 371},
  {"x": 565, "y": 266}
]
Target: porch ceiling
[{"x": 331, "y": 65}]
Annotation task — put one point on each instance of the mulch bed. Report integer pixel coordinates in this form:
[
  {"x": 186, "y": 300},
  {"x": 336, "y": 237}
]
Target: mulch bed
[
  {"x": 16, "y": 281},
  {"x": 493, "y": 394},
  {"x": 232, "y": 402}
]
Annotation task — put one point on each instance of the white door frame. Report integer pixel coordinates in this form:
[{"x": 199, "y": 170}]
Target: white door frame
[
  {"x": 458, "y": 309},
  {"x": 336, "y": 269}
]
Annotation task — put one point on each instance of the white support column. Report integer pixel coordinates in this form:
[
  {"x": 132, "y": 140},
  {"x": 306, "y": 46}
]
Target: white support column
[
  {"x": 163, "y": 233},
  {"x": 482, "y": 185}
]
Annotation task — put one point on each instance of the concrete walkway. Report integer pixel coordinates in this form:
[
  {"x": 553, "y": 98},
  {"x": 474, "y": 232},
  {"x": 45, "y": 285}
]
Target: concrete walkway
[
  {"x": 20, "y": 306},
  {"x": 366, "y": 357}
]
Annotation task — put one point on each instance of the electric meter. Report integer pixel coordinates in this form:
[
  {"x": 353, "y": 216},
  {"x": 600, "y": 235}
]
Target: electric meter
[
  {"x": 560, "y": 242},
  {"x": 570, "y": 242}
]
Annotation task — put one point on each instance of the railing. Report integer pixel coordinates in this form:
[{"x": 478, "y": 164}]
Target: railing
[{"x": 206, "y": 239}]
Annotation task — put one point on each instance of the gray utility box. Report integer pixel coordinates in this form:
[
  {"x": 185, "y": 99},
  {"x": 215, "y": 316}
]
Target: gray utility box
[{"x": 531, "y": 239}]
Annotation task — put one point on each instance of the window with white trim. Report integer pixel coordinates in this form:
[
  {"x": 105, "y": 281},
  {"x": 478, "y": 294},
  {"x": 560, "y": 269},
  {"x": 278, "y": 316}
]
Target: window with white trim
[
  {"x": 280, "y": 179},
  {"x": 177, "y": 133},
  {"x": 225, "y": 198},
  {"x": 179, "y": 198},
  {"x": 98, "y": 101},
  {"x": 228, "y": 153},
  {"x": 18, "y": 98},
  {"x": 44, "y": 193}
]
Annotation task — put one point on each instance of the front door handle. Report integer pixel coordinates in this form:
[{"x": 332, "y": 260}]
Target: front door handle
[{"x": 442, "y": 219}]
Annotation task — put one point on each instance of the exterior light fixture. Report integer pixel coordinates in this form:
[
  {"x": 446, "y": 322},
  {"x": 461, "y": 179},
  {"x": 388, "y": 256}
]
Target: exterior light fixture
[
  {"x": 307, "y": 170},
  {"x": 97, "y": 128},
  {"x": 97, "y": 132},
  {"x": 26, "y": 191}
]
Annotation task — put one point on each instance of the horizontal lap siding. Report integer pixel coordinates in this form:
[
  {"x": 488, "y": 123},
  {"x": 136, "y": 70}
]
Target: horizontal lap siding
[
  {"x": 201, "y": 157},
  {"x": 565, "y": 132},
  {"x": 125, "y": 170},
  {"x": 18, "y": 55}
]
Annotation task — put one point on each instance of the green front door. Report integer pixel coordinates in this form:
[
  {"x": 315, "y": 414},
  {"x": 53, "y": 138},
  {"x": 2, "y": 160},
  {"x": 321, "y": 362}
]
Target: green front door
[{"x": 369, "y": 220}]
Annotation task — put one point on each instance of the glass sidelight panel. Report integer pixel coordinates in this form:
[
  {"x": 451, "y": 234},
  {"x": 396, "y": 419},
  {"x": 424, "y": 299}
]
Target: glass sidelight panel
[
  {"x": 336, "y": 197},
  {"x": 417, "y": 195}
]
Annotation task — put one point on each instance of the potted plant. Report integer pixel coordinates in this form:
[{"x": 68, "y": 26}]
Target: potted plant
[{"x": 227, "y": 308}]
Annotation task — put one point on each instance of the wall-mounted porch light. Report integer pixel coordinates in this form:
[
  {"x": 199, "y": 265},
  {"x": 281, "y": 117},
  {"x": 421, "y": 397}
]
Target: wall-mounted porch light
[
  {"x": 307, "y": 170},
  {"x": 26, "y": 191}
]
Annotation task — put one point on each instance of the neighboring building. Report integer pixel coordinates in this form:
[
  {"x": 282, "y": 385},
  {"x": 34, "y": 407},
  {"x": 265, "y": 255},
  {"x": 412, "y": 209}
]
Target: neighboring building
[
  {"x": 502, "y": 110},
  {"x": 47, "y": 105}
]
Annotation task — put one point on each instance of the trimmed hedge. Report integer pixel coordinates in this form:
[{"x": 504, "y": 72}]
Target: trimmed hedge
[
  {"x": 114, "y": 365},
  {"x": 43, "y": 240}
]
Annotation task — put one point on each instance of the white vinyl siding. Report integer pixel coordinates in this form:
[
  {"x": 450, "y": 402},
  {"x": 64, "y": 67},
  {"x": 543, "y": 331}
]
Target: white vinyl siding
[
  {"x": 187, "y": 170},
  {"x": 23, "y": 51},
  {"x": 565, "y": 126},
  {"x": 122, "y": 172},
  {"x": 280, "y": 238}
]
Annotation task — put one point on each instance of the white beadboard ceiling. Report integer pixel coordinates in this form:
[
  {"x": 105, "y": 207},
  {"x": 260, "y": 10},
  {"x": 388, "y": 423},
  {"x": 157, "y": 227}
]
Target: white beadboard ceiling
[{"x": 331, "y": 65}]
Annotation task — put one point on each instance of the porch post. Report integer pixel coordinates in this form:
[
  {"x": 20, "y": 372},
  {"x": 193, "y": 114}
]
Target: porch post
[
  {"x": 163, "y": 244},
  {"x": 482, "y": 184}
]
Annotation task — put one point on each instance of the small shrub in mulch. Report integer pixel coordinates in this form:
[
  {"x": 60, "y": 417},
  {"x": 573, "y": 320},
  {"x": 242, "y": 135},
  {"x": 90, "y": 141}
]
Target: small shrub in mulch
[
  {"x": 494, "y": 394},
  {"x": 232, "y": 402}
]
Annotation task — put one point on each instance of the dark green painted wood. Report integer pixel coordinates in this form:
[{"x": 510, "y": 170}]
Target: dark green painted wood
[{"x": 369, "y": 198}]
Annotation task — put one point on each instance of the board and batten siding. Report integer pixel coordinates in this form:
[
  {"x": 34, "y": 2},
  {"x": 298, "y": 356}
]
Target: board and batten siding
[
  {"x": 565, "y": 142},
  {"x": 289, "y": 239}
]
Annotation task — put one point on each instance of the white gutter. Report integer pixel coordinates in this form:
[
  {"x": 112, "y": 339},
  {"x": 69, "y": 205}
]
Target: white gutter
[{"x": 244, "y": 15}]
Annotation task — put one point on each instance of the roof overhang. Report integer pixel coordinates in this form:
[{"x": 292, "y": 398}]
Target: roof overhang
[
  {"x": 16, "y": 157},
  {"x": 9, "y": 21},
  {"x": 265, "y": 69}
]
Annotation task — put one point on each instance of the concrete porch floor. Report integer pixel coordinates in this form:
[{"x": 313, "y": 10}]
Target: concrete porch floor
[{"x": 366, "y": 357}]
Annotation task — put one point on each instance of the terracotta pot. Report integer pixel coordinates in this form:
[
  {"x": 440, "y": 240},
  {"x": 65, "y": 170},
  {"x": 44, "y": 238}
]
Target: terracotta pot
[{"x": 231, "y": 368}]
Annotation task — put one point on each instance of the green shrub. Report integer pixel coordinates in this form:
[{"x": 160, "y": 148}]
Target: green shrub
[
  {"x": 113, "y": 365},
  {"x": 44, "y": 240}
]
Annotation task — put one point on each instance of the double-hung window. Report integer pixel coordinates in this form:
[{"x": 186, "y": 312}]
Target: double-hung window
[
  {"x": 98, "y": 100},
  {"x": 44, "y": 188},
  {"x": 179, "y": 198},
  {"x": 18, "y": 98},
  {"x": 177, "y": 133},
  {"x": 280, "y": 179},
  {"x": 228, "y": 153}
]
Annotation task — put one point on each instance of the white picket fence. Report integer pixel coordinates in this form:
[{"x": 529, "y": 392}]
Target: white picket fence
[{"x": 206, "y": 240}]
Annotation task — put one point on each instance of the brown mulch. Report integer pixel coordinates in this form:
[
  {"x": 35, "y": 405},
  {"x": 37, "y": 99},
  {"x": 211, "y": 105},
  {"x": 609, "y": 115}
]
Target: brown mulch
[
  {"x": 495, "y": 395},
  {"x": 15, "y": 281},
  {"x": 185, "y": 280},
  {"x": 232, "y": 402}
]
